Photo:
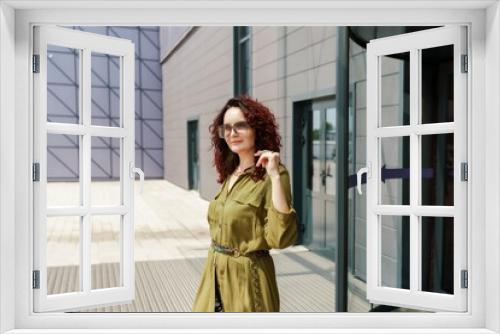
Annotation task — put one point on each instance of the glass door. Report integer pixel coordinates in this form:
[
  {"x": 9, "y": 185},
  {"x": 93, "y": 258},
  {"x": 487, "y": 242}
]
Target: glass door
[{"x": 321, "y": 185}]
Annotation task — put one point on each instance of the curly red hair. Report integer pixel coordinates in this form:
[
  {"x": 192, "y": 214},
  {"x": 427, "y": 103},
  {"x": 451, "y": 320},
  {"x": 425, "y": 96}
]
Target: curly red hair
[{"x": 267, "y": 137}]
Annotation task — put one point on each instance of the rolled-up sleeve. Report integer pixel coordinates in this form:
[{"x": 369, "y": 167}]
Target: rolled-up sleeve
[{"x": 280, "y": 228}]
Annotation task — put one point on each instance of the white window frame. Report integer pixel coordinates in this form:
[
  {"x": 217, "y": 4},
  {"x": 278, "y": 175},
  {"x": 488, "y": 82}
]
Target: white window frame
[
  {"x": 413, "y": 43},
  {"x": 86, "y": 43},
  {"x": 483, "y": 18}
]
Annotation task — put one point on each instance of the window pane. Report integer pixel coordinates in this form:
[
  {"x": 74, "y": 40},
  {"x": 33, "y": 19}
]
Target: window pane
[
  {"x": 395, "y": 89},
  {"x": 63, "y": 84},
  {"x": 437, "y": 254},
  {"x": 395, "y": 255},
  {"x": 316, "y": 150},
  {"x": 244, "y": 31},
  {"x": 437, "y": 169},
  {"x": 330, "y": 133},
  {"x": 395, "y": 170},
  {"x": 105, "y": 185},
  {"x": 437, "y": 84},
  {"x": 63, "y": 255},
  {"x": 245, "y": 66},
  {"x": 356, "y": 277},
  {"x": 105, "y": 90},
  {"x": 63, "y": 170},
  {"x": 105, "y": 251}
]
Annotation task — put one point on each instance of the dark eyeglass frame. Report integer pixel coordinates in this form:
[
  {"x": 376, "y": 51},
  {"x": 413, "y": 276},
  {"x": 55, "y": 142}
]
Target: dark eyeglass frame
[{"x": 225, "y": 129}]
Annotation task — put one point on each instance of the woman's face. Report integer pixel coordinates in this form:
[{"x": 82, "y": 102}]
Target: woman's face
[{"x": 239, "y": 136}]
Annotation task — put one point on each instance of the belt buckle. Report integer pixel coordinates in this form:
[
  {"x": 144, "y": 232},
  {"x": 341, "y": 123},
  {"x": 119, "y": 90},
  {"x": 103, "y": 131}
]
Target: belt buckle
[{"x": 236, "y": 253}]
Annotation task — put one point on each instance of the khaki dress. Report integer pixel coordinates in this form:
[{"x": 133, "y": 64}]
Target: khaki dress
[{"x": 246, "y": 219}]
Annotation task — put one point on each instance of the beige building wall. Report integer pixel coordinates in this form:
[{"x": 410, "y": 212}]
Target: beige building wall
[
  {"x": 197, "y": 80},
  {"x": 292, "y": 64},
  {"x": 288, "y": 64}
]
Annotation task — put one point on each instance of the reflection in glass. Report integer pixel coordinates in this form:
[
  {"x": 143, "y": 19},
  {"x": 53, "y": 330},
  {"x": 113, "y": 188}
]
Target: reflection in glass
[
  {"x": 437, "y": 84},
  {"x": 394, "y": 89},
  {"x": 395, "y": 170},
  {"x": 105, "y": 89},
  {"x": 242, "y": 53},
  {"x": 245, "y": 71},
  {"x": 63, "y": 170},
  {"x": 395, "y": 260},
  {"x": 356, "y": 276},
  {"x": 437, "y": 254},
  {"x": 437, "y": 169},
  {"x": 331, "y": 150},
  {"x": 63, "y": 84},
  {"x": 316, "y": 150},
  {"x": 105, "y": 251},
  {"x": 63, "y": 255}
]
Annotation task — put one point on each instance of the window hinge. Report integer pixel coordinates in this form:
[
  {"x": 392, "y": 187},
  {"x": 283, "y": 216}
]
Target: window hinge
[
  {"x": 36, "y": 63},
  {"x": 465, "y": 66},
  {"x": 36, "y": 279},
  {"x": 465, "y": 279},
  {"x": 36, "y": 171},
  {"x": 464, "y": 171}
]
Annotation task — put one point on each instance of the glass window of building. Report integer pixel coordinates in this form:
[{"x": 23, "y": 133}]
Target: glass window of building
[{"x": 242, "y": 60}]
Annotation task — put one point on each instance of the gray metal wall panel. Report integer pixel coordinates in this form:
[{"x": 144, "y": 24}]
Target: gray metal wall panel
[{"x": 62, "y": 93}]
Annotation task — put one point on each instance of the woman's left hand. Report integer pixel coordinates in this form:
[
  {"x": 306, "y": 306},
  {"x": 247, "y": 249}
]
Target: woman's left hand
[{"x": 270, "y": 160}]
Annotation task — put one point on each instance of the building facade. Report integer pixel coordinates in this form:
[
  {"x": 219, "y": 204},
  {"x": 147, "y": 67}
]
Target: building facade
[{"x": 307, "y": 76}]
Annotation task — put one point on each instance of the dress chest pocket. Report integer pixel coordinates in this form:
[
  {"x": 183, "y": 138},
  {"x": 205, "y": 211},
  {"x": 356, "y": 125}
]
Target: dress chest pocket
[
  {"x": 243, "y": 216},
  {"x": 251, "y": 201},
  {"x": 245, "y": 209}
]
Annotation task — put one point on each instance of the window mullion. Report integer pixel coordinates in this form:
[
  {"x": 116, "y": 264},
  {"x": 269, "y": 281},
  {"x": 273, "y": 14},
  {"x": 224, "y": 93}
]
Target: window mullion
[
  {"x": 415, "y": 235},
  {"x": 85, "y": 176},
  {"x": 127, "y": 154}
]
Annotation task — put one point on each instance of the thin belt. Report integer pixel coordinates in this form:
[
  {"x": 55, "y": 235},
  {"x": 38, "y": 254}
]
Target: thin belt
[{"x": 235, "y": 252}]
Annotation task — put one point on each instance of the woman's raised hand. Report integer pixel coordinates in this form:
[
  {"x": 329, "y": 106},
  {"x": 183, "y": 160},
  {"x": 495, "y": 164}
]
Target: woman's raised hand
[{"x": 270, "y": 160}]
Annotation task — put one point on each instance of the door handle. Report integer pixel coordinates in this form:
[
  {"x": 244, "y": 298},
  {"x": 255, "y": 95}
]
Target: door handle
[
  {"x": 322, "y": 174},
  {"x": 328, "y": 171},
  {"x": 361, "y": 171},
  {"x": 135, "y": 170}
]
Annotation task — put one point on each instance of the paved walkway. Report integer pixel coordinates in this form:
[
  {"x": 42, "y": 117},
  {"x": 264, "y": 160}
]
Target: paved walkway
[{"x": 171, "y": 242}]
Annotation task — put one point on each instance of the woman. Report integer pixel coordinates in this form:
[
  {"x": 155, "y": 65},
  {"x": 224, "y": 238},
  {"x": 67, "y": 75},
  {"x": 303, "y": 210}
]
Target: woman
[{"x": 251, "y": 213}]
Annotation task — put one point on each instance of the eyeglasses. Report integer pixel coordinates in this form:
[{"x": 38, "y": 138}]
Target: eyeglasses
[{"x": 239, "y": 127}]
